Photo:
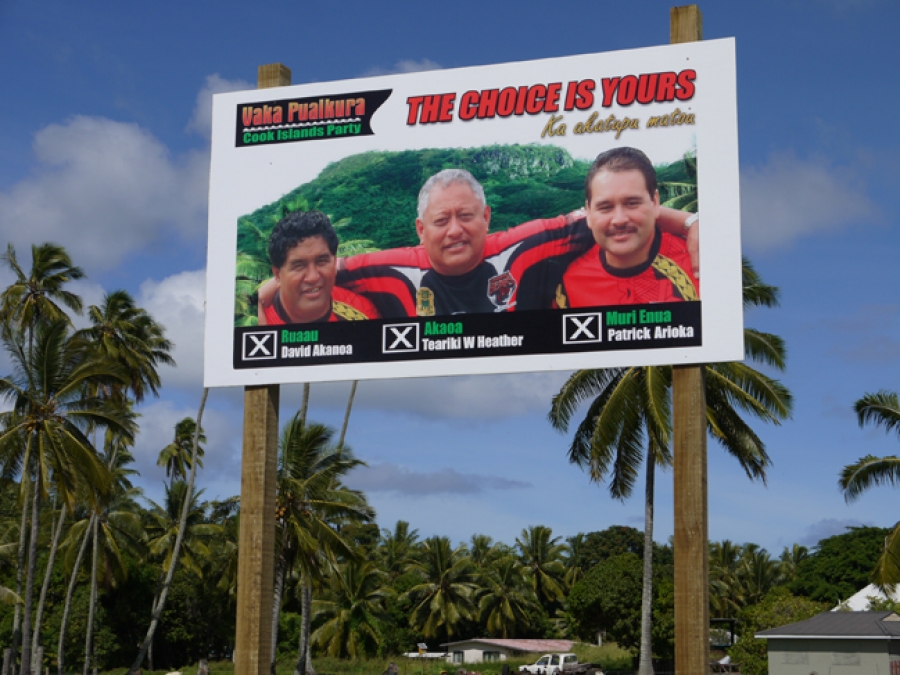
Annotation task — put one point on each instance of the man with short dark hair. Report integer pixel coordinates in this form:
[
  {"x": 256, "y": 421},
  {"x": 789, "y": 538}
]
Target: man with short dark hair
[
  {"x": 302, "y": 250},
  {"x": 633, "y": 261}
]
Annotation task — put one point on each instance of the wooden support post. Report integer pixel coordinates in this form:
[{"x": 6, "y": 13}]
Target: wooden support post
[
  {"x": 256, "y": 540},
  {"x": 691, "y": 502}
]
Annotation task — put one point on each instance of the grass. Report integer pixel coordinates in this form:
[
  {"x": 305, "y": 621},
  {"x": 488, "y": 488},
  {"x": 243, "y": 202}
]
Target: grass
[{"x": 609, "y": 656}]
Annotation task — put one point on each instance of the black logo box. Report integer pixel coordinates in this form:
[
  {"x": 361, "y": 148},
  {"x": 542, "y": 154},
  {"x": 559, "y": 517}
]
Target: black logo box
[{"x": 542, "y": 332}]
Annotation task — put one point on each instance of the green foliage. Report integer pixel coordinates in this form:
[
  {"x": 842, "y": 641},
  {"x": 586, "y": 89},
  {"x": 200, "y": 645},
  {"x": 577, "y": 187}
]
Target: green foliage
[
  {"x": 609, "y": 543},
  {"x": 779, "y": 608},
  {"x": 841, "y": 565},
  {"x": 877, "y": 604},
  {"x": 608, "y": 599}
]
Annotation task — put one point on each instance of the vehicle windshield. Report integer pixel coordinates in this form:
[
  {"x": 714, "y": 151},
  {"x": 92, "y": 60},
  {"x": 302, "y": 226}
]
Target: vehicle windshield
[{"x": 542, "y": 661}]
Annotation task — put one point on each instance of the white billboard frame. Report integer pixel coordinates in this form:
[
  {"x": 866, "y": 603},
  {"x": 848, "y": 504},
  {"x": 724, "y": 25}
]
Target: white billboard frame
[{"x": 245, "y": 178}]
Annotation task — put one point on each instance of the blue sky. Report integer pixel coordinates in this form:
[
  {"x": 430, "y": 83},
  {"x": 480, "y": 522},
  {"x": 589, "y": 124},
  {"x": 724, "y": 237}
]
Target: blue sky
[{"x": 104, "y": 148}]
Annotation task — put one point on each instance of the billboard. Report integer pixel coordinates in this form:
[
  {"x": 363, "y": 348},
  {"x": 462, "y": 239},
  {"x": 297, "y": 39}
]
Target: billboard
[{"x": 528, "y": 216}]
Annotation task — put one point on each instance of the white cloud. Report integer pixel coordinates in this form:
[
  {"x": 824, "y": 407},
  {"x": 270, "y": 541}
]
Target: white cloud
[
  {"x": 404, "y": 66},
  {"x": 177, "y": 302},
  {"x": 788, "y": 198},
  {"x": 392, "y": 478},
  {"x": 105, "y": 189},
  {"x": 827, "y": 527},
  {"x": 201, "y": 120}
]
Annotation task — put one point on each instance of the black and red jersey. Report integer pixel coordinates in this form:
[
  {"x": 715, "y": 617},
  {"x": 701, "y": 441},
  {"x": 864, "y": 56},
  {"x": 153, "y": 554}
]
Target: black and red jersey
[
  {"x": 345, "y": 306},
  {"x": 666, "y": 276},
  {"x": 521, "y": 269}
]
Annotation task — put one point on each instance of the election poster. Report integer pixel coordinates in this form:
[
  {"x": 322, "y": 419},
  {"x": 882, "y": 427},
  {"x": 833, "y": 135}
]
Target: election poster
[{"x": 543, "y": 215}]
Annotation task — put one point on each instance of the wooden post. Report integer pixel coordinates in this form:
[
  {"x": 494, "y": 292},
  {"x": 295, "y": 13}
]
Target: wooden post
[
  {"x": 691, "y": 503},
  {"x": 256, "y": 540}
]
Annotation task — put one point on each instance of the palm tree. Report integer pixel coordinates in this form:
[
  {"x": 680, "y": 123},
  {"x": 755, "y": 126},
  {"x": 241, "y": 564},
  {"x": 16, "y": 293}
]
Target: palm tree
[
  {"x": 176, "y": 456},
  {"x": 129, "y": 336},
  {"x": 759, "y": 573},
  {"x": 446, "y": 594},
  {"x": 44, "y": 435},
  {"x": 169, "y": 543},
  {"x": 572, "y": 553},
  {"x": 880, "y": 409},
  {"x": 788, "y": 561},
  {"x": 114, "y": 523},
  {"x": 354, "y": 611},
  {"x": 32, "y": 298},
  {"x": 315, "y": 504},
  {"x": 163, "y": 525},
  {"x": 507, "y": 598},
  {"x": 29, "y": 301},
  {"x": 542, "y": 558},
  {"x": 631, "y": 407},
  {"x": 396, "y": 549},
  {"x": 725, "y": 599}
]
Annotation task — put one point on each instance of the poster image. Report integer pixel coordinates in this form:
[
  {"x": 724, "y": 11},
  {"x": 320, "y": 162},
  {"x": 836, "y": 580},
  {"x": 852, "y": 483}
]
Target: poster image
[{"x": 530, "y": 216}]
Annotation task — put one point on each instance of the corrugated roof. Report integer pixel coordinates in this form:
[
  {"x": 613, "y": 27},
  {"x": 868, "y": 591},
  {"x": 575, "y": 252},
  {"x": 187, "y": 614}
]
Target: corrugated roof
[
  {"x": 863, "y": 625},
  {"x": 520, "y": 645}
]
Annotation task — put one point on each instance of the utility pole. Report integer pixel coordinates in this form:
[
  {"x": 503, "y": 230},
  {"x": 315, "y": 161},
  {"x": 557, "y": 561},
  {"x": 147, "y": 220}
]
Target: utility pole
[
  {"x": 691, "y": 502},
  {"x": 259, "y": 462}
]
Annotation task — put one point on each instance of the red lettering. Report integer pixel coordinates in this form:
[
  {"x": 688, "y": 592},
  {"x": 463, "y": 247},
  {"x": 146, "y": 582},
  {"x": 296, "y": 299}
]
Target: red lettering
[
  {"x": 247, "y": 115},
  {"x": 535, "y": 101},
  {"x": 585, "y": 94},
  {"x": 686, "y": 82},
  {"x": 360, "y": 106},
  {"x": 520, "y": 103},
  {"x": 430, "y": 109},
  {"x": 609, "y": 90},
  {"x": 552, "y": 103},
  {"x": 627, "y": 90},
  {"x": 487, "y": 106},
  {"x": 414, "y": 103},
  {"x": 665, "y": 90},
  {"x": 647, "y": 87},
  {"x": 506, "y": 106},
  {"x": 447, "y": 101},
  {"x": 571, "y": 91},
  {"x": 468, "y": 105}
]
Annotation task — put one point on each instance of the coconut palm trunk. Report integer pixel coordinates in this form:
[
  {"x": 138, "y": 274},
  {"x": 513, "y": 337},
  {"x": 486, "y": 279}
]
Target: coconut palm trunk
[
  {"x": 182, "y": 526},
  {"x": 51, "y": 561},
  {"x": 304, "y": 659},
  {"x": 645, "y": 664},
  {"x": 29, "y": 581},
  {"x": 347, "y": 414},
  {"x": 60, "y": 651},
  {"x": 20, "y": 569},
  {"x": 278, "y": 593},
  {"x": 304, "y": 404},
  {"x": 89, "y": 632}
]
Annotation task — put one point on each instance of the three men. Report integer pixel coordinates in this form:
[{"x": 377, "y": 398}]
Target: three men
[
  {"x": 302, "y": 250},
  {"x": 459, "y": 268},
  {"x": 633, "y": 261}
]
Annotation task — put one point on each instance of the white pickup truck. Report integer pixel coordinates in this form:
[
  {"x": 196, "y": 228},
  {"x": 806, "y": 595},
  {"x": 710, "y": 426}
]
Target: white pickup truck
[{"x": 551, "y": 664}]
